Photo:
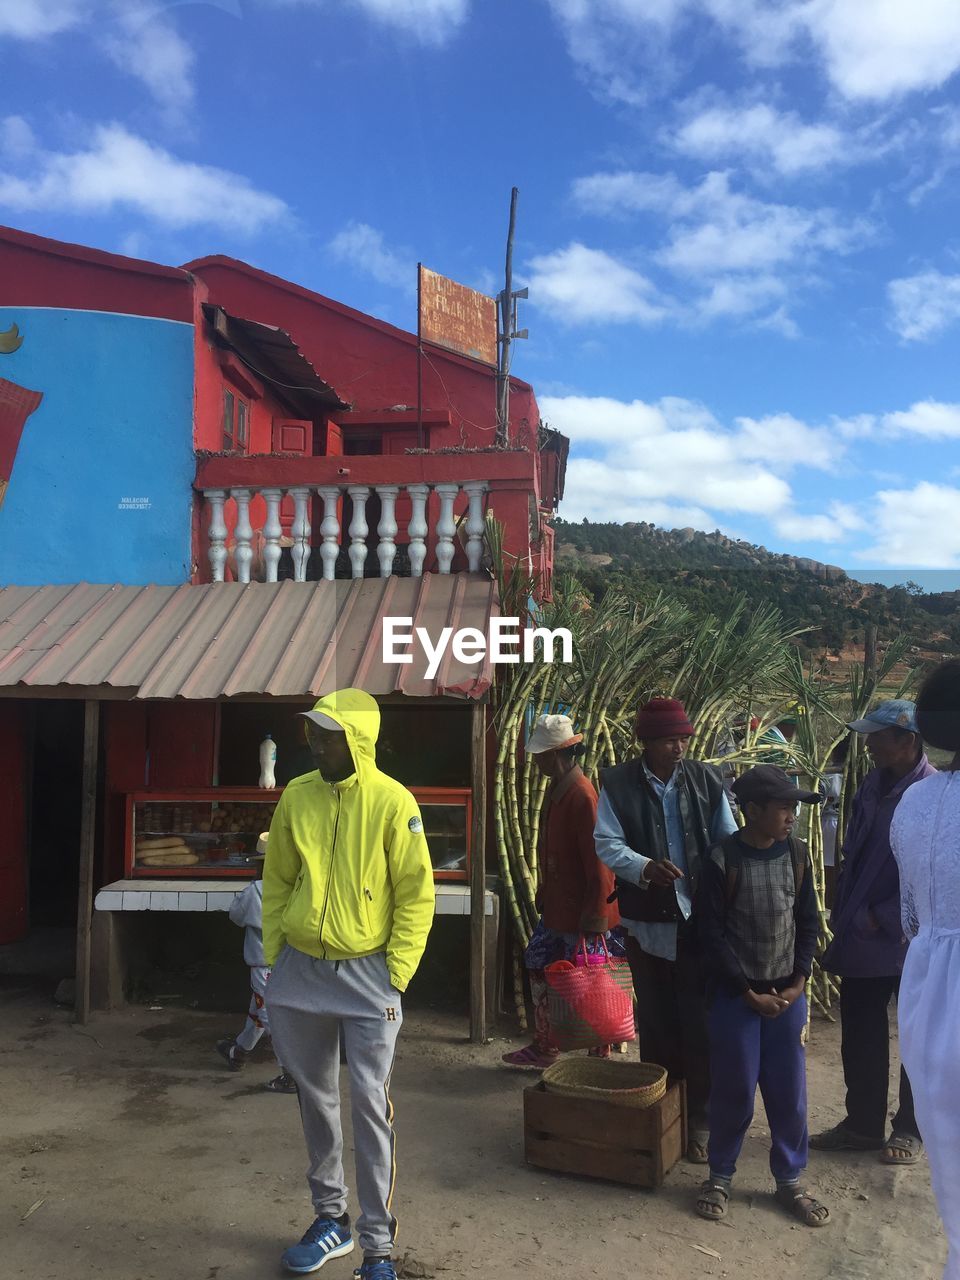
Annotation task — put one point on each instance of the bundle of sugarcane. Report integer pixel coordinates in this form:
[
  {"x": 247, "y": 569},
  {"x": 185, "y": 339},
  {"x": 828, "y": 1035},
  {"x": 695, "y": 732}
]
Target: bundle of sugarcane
[{"x": 623, "y": 654}]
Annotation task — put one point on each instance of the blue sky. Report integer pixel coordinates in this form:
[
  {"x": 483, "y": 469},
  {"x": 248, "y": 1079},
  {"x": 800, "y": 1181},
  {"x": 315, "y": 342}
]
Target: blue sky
[{"x": 738, "y": 218}]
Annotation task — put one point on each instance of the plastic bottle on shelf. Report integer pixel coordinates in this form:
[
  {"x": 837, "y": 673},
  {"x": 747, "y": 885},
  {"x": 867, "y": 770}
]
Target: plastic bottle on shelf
[{"x": 268, "y": 760}]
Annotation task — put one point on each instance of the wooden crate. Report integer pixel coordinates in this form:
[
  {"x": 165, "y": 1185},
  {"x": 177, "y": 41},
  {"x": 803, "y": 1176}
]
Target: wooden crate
[{"x": 603, "y": 1139}]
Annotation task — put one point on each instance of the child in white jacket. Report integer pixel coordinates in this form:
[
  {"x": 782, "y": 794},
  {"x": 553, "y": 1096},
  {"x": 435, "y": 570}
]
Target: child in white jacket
[{"x": 246, "y": 910}]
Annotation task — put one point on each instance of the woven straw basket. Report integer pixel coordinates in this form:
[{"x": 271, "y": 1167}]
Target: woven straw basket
[{"x": 627, "y": 1084}]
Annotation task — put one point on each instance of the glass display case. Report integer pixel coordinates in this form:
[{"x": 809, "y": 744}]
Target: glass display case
[
  {"x": 209, "y": 833},
  {"x": 447, "y": 824},
  {"x": 213, "y": 832}
]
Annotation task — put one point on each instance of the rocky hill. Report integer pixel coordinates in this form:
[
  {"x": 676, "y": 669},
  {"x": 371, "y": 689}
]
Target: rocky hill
[{"x": 706, "y": 567}]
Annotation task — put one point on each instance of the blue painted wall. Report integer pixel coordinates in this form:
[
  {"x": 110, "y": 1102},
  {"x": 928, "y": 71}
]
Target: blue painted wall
[{"x": 100, "y": 489}]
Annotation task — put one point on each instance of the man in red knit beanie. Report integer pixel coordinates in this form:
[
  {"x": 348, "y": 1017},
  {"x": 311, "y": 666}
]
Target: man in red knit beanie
[{"x": 657, "y": 818}]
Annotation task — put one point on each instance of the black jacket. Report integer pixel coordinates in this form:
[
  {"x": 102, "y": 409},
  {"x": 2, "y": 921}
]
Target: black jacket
[{"x": 639, "y": 811}]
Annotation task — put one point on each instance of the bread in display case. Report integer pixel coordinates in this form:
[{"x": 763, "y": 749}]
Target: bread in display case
[
  {"x": 213, "y": 832},
  {"x": 210, "y": 832}
]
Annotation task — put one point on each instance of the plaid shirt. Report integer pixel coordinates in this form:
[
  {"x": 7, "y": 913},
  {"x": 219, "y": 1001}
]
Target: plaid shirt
[
  {"x": 767, "y": 934},
  {"x": 760, "y": 927}
]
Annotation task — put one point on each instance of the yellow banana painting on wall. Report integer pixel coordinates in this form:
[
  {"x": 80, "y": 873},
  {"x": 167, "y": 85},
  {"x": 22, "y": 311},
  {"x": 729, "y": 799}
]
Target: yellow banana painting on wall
[{"x": 10, "y": 340}]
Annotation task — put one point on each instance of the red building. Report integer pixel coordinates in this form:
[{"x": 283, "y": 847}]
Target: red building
[{"x": 292, "y": 462}]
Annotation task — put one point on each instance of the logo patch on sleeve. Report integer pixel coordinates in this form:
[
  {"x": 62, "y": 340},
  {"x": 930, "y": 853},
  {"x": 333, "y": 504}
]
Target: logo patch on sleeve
[{"x": 415, "y": 825}]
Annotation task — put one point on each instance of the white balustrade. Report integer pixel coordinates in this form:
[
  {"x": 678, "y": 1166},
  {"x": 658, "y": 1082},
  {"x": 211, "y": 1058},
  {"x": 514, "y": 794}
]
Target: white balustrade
[
  {"x": 330, "y": 529},
  {"x": 217, "y": 533},
  {"x": 446, "y": 526},
  {"x": 272, "y": 532},
  {"x": 300, "y": 532},
  {"x": 332, "y": 536},
  {"x": 243, "y": 534},
  {"x": 387, "y": 528},
  {"x": 418, "y": 528},
  {"x": 476, "y": 523},
  {"x": 359, "y": 529}
]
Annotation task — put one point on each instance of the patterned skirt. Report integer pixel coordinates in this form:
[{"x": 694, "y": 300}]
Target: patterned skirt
[{"x": 547, "y": 946}]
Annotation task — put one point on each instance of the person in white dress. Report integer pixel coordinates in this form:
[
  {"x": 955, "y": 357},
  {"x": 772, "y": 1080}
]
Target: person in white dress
[{"x": 925, "y": 836}]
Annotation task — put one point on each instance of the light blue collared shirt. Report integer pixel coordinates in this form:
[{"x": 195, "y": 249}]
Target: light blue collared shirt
[{"x": 628, "y": 864}]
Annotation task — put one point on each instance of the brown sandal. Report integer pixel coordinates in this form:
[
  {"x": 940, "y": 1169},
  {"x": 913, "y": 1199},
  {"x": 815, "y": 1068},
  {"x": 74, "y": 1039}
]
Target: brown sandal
[
  {"x": 712, "y": 1201},
  {"x": 803, "y": 1206}
]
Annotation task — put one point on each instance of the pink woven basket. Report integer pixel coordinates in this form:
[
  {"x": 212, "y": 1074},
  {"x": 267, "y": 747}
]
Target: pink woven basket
[{"x": 589, "y": 1004}]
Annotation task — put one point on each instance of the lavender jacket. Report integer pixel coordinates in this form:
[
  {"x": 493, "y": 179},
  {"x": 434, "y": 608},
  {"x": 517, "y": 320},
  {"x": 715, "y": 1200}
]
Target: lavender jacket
[{"x": 869, "y": 884}]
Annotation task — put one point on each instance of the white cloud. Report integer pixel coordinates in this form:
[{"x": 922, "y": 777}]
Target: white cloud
[
  {"x": 870, "y": 49},
  {"x": 784, "y": 441},
  {"x": 924, "y": 305},
  {"x": 431, "y": 22},
  {"x": 674, "y": 452},
  {"x": 39, "y": 19},
  {"x": 363, "y": 247},
  {"x": 594, "y": 493},
  {"x": 916, "y": 528},
  {"x": 930, "y": 418},
  {"x": 629, "y": 191},
  {"x": 579, "y": 285},
  {"x": 832, "y": 527},
  {"x": 944, "y": 126},
  {"x": 675, "y": 463},
  {"x": 138, "y": 37},
  {"x": 120, "y": 173},
  {"x": 148, "y": 47},
  {"x": 715, "y": 229},
  {"x": 741, "y": 296},
  {"x": 891, "y": 49},
  {"x": 745, "y": 258},
  {"x": 763, "y": 136},
  {"x": 16, "y": 137}
]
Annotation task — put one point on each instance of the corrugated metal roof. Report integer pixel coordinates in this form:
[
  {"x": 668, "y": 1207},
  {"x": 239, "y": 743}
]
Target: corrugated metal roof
[{"x": 227, "y": 640}]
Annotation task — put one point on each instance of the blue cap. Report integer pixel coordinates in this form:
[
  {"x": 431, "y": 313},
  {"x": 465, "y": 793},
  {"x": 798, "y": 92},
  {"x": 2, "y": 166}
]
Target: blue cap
[{"x": 898, "y": 713}]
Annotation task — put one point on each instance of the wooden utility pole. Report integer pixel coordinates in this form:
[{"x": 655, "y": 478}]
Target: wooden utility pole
[
  {"x": 478, "y": 877},
  {"x": 419, "y": 355},
  {"x": 88, "y": 829},
  {"x": 507, "y": 332}
]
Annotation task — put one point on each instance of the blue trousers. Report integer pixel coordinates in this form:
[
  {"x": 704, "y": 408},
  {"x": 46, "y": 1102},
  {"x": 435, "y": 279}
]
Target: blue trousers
[{"x": 747, "y": 1050}]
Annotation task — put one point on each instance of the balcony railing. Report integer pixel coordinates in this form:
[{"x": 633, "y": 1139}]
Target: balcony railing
[
  {"x": 414, "y": 537},
  {"x": 274, "y": 516}
]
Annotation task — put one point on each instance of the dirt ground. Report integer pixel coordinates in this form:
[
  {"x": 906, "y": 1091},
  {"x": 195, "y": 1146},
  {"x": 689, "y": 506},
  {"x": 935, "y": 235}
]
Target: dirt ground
[{"x": 128, "y": 1152}]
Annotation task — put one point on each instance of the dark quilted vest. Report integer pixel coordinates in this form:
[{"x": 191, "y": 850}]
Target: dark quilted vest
[{"x": 640, "y": 813}]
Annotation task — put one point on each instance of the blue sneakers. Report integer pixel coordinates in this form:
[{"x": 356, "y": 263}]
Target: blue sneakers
[
  {"x": 324, "y": 1240},
  {"x": 376, "y": 1269}
]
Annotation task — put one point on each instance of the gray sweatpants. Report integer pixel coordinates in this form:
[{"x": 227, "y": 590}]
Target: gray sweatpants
[{"x": 309, "y": 1002}]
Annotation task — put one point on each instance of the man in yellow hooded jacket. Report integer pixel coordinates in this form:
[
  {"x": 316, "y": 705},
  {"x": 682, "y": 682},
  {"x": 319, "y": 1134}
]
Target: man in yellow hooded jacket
[{"x": 348, "y": 901}]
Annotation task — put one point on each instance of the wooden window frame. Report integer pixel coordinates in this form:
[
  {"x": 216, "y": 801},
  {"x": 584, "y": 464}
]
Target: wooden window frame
[{"x": 235, "y": 440}]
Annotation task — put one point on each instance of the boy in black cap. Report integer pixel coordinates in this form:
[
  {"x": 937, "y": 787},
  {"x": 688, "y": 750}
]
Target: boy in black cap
[{"x": 758, "y": 925}]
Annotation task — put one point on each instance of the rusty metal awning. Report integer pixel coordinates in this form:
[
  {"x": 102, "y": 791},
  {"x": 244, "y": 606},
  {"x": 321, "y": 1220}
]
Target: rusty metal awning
[
  {"x": 289, "y": 371},
  {"x": 227, "y": 640}
]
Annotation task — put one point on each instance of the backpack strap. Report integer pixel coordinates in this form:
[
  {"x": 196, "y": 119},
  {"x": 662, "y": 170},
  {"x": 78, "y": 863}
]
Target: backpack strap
[
  {"x": 799, "y": 857},
  {"x": 733, "y": 866}
]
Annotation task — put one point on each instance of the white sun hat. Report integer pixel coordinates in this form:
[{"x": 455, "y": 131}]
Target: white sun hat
[{"x": 551, "y": 733}]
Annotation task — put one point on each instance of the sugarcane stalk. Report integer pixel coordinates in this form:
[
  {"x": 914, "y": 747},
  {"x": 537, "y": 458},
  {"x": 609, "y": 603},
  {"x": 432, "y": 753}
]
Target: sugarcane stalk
[{"x": 519, "y": 995}]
